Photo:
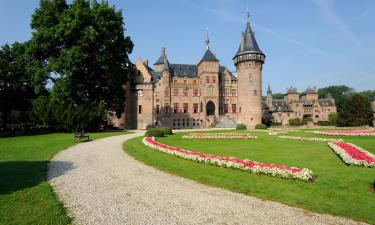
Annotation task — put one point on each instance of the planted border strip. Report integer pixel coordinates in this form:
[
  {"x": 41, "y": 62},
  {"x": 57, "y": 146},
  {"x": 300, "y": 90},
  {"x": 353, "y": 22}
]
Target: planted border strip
[
  {"x": 309, "y": 138},
  {"x": 347, "y": 132},
  {"x": 274, "y": 170},
  {"x": 219, "y": 136},
  {"x": 352, "y": 154}
]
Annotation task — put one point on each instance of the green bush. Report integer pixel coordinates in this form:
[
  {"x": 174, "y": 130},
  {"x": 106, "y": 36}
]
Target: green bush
[
  {"x": 307, "y": 119},
  {"x": 260, "y": 126},
  {"x": 324, "y": 123},
  {"x": 154, "y": 132},
  {"x": 295, "y": 122},
  {"x": 241, "y": 126},
  {"x": 166, "y": 130}
]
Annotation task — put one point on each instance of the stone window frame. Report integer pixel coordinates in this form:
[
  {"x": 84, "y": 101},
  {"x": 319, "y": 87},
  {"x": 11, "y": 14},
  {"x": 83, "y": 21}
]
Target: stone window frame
[
  {"x": 234, "y": 108},
  {"x": 185, "y": 107}
]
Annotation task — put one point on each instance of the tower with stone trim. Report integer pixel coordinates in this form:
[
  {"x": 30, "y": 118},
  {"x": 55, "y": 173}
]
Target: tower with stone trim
[{"x": 249, "y": 61}]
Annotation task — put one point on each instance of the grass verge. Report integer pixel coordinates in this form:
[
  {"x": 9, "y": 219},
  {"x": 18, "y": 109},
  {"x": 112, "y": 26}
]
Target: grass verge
[{"x": 25, "y": 195}]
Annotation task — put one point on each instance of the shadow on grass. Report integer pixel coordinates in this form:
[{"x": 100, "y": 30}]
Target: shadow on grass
[{"x": 18, "y": 175}]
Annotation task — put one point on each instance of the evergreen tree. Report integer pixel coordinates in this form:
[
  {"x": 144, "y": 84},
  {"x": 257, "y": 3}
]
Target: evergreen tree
[{"x": 356, "y": 111}]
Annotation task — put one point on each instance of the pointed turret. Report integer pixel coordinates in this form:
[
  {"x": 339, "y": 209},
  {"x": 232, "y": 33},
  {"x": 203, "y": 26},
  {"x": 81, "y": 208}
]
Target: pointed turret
[
  {"x": 159, "y": 64},
  {"x": 249, "y": 49},
  {"x": 269, "y": 98},
  {"x": 208, "y": 55}
]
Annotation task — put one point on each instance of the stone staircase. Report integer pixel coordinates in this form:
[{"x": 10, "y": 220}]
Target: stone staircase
[{"x": 224, "y": 122}]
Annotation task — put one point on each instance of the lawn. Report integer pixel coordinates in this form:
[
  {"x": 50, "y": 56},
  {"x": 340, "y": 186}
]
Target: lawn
[
  {"x": 25, "y": 195},
  {"x": 338, "y": 189}
]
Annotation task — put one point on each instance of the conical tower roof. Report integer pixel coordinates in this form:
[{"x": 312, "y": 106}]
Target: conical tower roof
[{"x": 248, "y": 41}]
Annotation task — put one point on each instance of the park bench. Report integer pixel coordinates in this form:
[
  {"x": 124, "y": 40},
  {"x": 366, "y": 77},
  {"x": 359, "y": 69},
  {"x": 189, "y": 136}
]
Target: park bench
[{"x": 80, "y": 135}]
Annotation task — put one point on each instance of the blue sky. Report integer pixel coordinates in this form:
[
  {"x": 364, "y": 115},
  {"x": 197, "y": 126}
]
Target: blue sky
[{"x": 307, "y": 42}]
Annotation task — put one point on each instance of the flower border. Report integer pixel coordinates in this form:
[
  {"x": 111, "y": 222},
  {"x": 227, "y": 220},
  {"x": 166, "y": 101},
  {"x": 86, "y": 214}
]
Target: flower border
[
  {"x": 309, "y": 138},
  {"x": 348, "y": 159},
  {"x": 231, "y": 162},
  {"x": 219, "y": 136},
  {"x": 341, "y": 132}
]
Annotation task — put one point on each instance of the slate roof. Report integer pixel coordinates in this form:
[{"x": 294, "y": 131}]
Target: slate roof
[
  {"x": 209, "y": 56},
  {"x": 248, "y": 41},
  {"x": 278, "y": 105},
  {"x": 310, "y": 90},
  {"x": 183, "y": 70},
  {"x": 326, "y": 102}
]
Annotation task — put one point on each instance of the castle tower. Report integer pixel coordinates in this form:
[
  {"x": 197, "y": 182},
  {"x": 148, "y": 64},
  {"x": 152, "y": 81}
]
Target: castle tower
[
  {"x": 249, "y": 60},
  {"x": 208, "y": 73}
]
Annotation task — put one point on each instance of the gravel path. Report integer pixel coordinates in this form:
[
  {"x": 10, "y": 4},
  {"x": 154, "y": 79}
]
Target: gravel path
[{"x": 99, "y": 183}]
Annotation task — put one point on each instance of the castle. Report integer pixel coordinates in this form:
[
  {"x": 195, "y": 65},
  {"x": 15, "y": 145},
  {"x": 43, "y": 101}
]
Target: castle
[
  {"x": 297, "y": 105},
  {"x": 207, "y": 94}
]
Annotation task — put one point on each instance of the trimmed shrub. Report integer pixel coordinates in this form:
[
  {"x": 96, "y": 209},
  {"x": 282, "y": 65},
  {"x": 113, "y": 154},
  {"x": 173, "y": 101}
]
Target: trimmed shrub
[
  {"x": 307, "y": 119},
  {"x": 241, "y": 126},
  {"x": 260, "y": 126},
  {"x": 295, "y": 122},
  {"x": 154, "y": 132},
  {"x": 324, "y": 123},
  {"x": 166, "y": 130}
]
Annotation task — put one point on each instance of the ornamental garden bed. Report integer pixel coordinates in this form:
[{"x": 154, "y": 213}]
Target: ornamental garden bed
[
  {"x": 231, "y": 162},
  {"x": 352, "y": 154},
  {"x": 309, "y": 138},
  {"x": 219, "y": 135},
  {"x": 347, "y": 132}
]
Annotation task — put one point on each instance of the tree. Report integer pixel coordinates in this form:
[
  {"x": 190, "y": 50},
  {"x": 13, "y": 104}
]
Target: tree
[
  {"x": 332, "y": 118},
  {"x": 16, "y": 84},
  {"x": 339, "y": 93},
  {"x": 356, "y": 111},
  {"x": 82, "y": 48}
]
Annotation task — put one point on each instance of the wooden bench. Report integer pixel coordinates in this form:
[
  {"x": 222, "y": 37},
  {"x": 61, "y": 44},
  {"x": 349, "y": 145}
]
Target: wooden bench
[{"x": 80, "y": 135}]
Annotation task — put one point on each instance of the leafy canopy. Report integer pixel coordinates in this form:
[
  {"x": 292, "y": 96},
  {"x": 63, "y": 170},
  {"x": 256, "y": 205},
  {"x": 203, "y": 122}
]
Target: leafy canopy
[{"x": 82, "y": 49}]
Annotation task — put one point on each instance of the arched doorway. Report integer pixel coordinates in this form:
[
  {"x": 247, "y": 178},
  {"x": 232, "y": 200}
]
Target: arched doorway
[{"x": 210, "y": 108}]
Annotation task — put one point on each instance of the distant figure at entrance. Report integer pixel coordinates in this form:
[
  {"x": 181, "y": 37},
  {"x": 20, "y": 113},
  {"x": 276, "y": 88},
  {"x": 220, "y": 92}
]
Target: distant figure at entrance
[{"x": 210, "y": 108}]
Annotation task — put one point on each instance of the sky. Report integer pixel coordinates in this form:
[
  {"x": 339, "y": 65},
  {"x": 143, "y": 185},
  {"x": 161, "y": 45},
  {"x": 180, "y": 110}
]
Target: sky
[{"x": 306, "y": 42}]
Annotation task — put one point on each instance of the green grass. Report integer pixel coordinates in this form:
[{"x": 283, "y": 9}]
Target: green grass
[
  {"x": 25, "y": 195},
  {"x": 338, "y": 189}
]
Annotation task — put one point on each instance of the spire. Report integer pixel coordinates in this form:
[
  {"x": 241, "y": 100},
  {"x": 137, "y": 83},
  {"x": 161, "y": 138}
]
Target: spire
[
  {"x": 207, "y": 40},
  {"x": 163, "y": 56},
  {"x": 248, "y": 42},
  {"x": 208, "y": 55},
  {"x": 269, "y": 92}
]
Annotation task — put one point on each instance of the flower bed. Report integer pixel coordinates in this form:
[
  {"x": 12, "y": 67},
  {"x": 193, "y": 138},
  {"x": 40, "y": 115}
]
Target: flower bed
[
  {"x": 230, "y": 162},
  {"x": 309, "y": 138},
  {"x": 219, "y": 135},
  {"x": 352, "y": 154},
  {"x": 347, "y": 132}
]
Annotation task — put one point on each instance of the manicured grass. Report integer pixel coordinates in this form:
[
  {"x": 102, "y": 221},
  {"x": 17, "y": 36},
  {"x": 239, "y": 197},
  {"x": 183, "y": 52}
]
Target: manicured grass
[
  {"x": 337, "y": 189},
  {"x": 25, "y": 195}
]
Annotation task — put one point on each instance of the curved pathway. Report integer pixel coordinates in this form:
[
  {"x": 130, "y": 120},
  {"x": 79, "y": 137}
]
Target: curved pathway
[{"x": 99, "y": 183}]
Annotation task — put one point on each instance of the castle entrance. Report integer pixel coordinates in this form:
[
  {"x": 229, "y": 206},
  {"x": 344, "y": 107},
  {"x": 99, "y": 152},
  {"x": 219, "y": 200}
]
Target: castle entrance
[{"x": 210, "y": 108}]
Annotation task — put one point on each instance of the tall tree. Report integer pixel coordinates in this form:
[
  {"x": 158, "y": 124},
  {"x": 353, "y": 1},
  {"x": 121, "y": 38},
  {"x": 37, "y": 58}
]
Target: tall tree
[
  {"x": 339, "y": 93},
  {"x": 16, "y": 84},
  {"x": 82, "y": 48},
  {"x": 356, "y": 111}
]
